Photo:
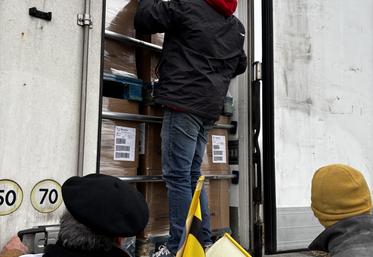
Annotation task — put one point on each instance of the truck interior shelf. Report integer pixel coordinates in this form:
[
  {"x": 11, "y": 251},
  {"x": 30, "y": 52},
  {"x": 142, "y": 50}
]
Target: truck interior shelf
[
  {"x": 132, "y": 41},
  {"x": 158, "y": 178},
  {"x": 148, "y": 118}
]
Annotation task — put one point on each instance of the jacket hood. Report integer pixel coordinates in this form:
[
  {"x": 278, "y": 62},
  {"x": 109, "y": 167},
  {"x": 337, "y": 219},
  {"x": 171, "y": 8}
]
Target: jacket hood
[{"x": 225, "y": 7}]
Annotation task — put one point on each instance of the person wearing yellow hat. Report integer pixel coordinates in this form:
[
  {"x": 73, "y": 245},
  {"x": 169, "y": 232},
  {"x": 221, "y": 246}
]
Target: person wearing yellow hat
[{"x": 341, "y": 201}]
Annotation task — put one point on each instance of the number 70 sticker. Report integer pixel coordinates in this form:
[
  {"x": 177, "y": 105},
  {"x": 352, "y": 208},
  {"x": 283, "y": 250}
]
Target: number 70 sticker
[{"x": 46, "y": 196}]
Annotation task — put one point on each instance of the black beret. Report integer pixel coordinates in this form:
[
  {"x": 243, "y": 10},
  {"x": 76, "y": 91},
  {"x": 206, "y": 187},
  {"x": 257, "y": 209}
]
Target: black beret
[{"x": 106, "y": 204}]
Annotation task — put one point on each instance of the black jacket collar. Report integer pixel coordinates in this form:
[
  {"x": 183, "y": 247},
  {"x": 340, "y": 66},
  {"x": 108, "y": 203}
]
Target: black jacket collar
[
  {"x": 60, "y": 251},
  {"x": 349, "y": 237}
]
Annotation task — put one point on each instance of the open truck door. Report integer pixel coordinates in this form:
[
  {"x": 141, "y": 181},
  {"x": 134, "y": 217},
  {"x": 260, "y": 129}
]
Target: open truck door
[{"x": 317, "y": 106}]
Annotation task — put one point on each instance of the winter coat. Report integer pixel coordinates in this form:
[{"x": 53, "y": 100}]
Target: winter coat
[
  {"x": 351, "y": 237},
  {"x": 202, "y": 52}
]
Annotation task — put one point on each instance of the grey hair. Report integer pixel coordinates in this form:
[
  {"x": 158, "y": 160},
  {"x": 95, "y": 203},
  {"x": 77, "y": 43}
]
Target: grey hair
[{"x": 75, "y": 235}]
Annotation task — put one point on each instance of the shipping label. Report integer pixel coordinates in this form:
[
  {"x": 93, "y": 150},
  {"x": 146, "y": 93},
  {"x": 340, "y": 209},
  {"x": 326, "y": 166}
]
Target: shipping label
[
  {"x": 124, "y": 143},
  {"x": 218, "y": 149}
]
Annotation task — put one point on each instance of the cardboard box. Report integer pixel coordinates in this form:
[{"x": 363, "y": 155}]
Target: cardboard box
[
  {"x": 215, "y": 159},
  {"x": 119, "y": 18},
  {"x": 110, "y": 104},
  {"x": 223, "y": 120},
  {"x": 154, "y": 61},
  {"x": 153, "y": 110},
  {"x": 218, "y": 198},
  {"x": 150, "y": 143},
  {"x": 119, "y": 58},
  {"x": 155, "y": 194},
  {"x": 119, "y": 148},
  {"x": 150, "y": 149},
  {"x": 119, "y": 139},
  {"x": 147, "y": 61},
  {"x": 158, "y": 39}
]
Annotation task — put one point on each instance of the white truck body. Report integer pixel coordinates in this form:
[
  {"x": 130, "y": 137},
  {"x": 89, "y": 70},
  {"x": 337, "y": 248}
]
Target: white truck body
[
  {"x": 323, "y": 74},
  {"x": 323, "y": 108},
  {"x": 40, "y": 100}
]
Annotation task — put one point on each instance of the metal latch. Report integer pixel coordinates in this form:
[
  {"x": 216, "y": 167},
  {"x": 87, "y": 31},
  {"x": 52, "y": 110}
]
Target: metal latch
[
  {"x": 257, "y": 71},
  {"x": 34, "y": 12},
  {"x": 85, "y": 20},
  {"x": 37, "y": 238}
]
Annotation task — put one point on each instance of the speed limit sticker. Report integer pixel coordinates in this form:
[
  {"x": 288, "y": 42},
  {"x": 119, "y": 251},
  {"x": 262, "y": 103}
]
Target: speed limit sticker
[
  {"x": 46, "y": 196},
  {"x": 11, "y": 196}
]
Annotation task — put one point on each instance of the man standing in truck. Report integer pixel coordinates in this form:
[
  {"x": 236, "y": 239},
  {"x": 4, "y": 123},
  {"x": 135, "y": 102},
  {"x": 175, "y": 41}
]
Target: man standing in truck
[{"x": 202, "y": 52}]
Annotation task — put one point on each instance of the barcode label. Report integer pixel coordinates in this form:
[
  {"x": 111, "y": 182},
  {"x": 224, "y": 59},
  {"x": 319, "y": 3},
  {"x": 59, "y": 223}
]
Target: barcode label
[
  {"x": 122, "y": 148},
  {"x": 218, "y": 149},
  {"x": 218, "y": 158},
  {"x": 120, "y": 141},
  {"x": 120, "y": 155},
  {"x": 124, "y": 143}
]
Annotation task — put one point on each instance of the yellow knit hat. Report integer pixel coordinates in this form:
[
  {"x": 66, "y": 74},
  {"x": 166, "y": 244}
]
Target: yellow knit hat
[{"x": 339, "y": 192}]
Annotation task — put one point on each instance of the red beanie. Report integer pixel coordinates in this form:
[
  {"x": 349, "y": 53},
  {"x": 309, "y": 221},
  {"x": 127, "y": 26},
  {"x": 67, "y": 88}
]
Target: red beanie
[{"x": 225, "y": 7}]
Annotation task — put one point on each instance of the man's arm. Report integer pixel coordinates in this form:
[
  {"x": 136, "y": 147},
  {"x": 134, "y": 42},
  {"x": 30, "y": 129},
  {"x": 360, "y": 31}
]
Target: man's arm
[
  {"x": 155, "y": 16},
  {"x": 242, "y": 64}
]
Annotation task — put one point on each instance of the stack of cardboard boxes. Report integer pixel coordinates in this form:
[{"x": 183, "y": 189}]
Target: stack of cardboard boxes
[
  {"x": 130, "y": 148},
  {"x": 150, "y": 165},
  {"x": 215, "y": 162},
  {"x": 119, "y": 139},
  {"x": 119, "y": 57}
]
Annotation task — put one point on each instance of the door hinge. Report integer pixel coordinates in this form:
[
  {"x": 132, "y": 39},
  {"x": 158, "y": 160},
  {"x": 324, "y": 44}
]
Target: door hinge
[
  {"x": 257, "y": 68},
  {"x": 85, "y": 20}
]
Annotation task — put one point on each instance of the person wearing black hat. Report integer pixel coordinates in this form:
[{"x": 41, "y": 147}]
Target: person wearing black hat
[{"x": 100, "y": 212}]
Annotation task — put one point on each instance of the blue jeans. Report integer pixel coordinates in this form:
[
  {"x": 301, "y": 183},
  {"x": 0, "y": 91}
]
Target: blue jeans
[{"x": 184, "y": 137}]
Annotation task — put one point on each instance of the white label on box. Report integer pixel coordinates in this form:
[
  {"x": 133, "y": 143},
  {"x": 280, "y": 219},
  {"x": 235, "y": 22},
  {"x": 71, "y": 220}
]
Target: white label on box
[
  {"x": 142, "y": 138},
  {"x": 124, "y": 144},
  {"x": 218, "y": 149}
]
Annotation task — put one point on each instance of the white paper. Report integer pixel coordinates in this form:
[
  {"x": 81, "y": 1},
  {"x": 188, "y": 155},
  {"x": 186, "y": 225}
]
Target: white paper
[
  {"x": 218, "y": 149},
  {"x": 124, "y": 143}
]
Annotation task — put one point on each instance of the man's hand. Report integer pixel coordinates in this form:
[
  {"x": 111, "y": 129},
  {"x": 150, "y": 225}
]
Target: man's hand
[{"x": 15, "y": 244}]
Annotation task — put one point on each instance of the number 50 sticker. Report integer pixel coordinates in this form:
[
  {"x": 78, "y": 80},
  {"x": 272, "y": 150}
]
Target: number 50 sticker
[
  {"x": 46, "y": 196},
  {"x": 11, "y": 196}
]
